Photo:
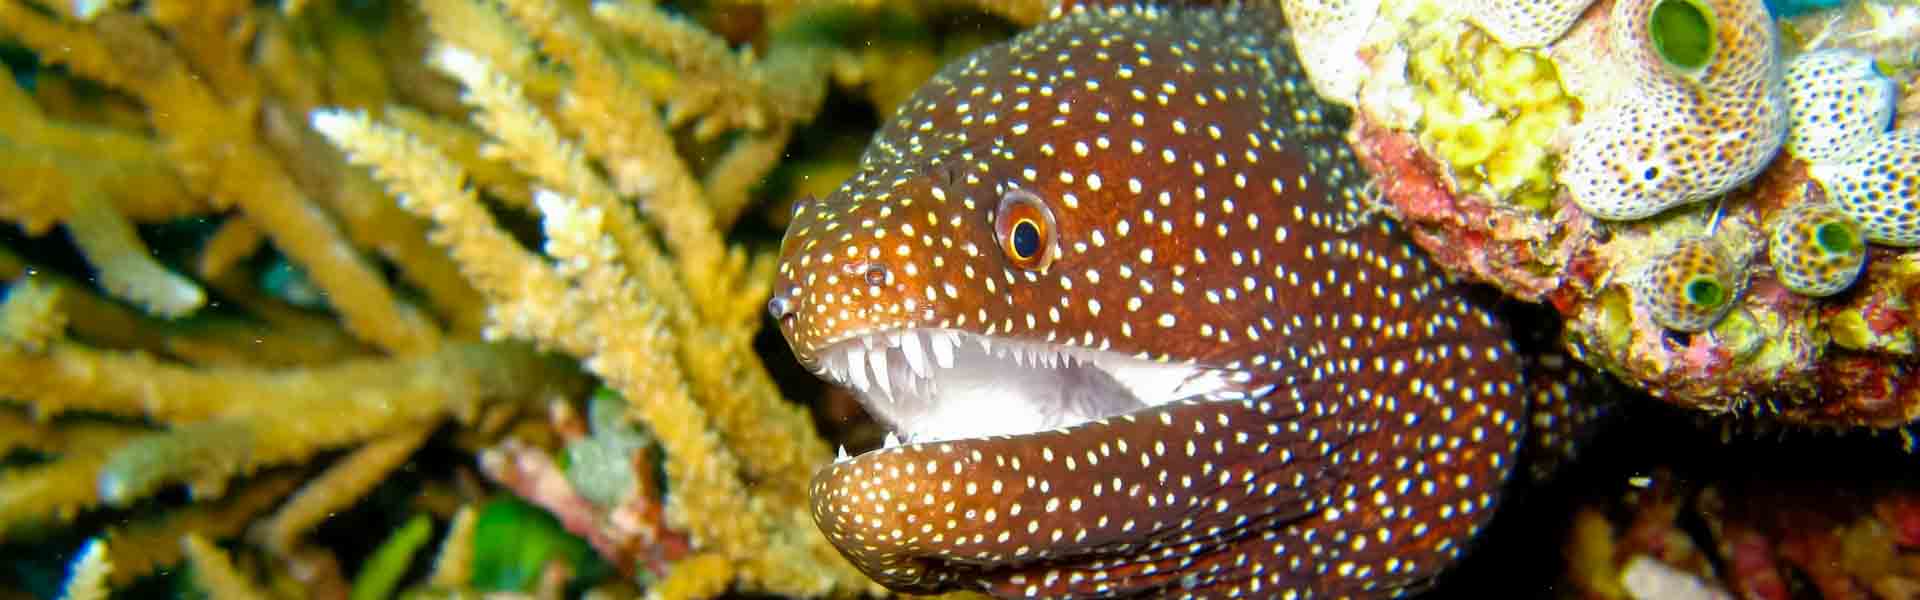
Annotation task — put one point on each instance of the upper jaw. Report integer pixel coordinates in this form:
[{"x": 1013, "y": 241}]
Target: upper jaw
[{"x": 933, "y": 384}]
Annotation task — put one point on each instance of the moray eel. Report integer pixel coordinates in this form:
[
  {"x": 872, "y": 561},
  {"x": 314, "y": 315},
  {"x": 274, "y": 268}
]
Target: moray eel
[{"x": 1114, "y": 288}]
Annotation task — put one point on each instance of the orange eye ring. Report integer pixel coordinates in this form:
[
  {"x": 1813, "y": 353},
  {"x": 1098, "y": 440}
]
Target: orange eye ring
[{"x": 1024, "y": 226}]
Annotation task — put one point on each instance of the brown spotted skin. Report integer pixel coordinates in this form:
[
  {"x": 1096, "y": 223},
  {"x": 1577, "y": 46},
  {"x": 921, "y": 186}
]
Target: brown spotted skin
[{"x": 1207, "y": 211}]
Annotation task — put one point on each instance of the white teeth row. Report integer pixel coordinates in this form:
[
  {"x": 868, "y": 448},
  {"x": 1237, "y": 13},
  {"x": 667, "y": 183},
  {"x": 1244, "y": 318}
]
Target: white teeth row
[
  {"x": 869, "y": 366},
  {"x": 1027, "y": 355},
  {"x": 872, "y": 364},
  {"x": 910, "y": 357},
  {"x": 893, "y": 440}
]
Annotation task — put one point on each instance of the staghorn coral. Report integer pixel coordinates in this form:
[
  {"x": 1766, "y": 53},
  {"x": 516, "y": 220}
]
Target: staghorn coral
[
  {"x": 88, "y": 577},
  {"x": 237, "y": 311},
  {"x": 214, "y": 571},
  {"x": 226, "y": 158}
]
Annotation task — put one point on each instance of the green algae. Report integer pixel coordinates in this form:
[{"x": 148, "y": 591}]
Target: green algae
[
  {"x": 382, "y": 573},
  {"x": 513, "y": 541}
]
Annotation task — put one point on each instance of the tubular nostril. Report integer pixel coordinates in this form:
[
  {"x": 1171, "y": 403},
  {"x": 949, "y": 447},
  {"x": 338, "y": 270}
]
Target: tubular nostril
[
  {"x": 876, "y": 274},
  {"x": 780, "y": 306}
]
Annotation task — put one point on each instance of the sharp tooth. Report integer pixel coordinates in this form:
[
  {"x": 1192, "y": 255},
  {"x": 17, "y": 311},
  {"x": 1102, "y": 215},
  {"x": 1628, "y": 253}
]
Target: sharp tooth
[
  {"x": 857, "y": 368},
  {"x": 867, "y": 341},
  {"x": 985, "y": 345},
  {"x": 916, "y": 357},
  {"x": 836, "y": 367},
  {"x": 878, "y": 360},
  {"x": 891, "y": 441},
  {"x": 942, "y": 350},
  {"x": 893, "y": 340},
  {"x": 842, "y": 455}
]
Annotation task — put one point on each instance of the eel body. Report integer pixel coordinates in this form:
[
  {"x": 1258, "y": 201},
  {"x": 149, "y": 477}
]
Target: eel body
[{"x": 1114, "y": 287}]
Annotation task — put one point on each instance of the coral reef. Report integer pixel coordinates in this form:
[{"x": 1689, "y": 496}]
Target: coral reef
[
  {"x": 1757, "y": 538},
  {"x": 483, "y": 278},
  {"x": 266, "y": 260},
  {"x": 1559, "y": 150}
]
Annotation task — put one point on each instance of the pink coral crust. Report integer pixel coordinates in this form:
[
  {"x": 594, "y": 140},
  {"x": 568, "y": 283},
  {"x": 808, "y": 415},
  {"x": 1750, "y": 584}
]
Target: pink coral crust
[{"x": 1468, "y": 234}]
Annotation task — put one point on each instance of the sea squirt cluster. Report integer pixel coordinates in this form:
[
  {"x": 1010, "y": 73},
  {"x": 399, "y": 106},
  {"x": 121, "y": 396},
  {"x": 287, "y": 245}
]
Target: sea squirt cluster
[{"x": 1570, "y": 151}]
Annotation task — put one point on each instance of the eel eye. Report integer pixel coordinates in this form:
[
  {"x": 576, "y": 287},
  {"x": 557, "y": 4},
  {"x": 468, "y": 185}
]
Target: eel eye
[{"x": 1024, "y": 226}]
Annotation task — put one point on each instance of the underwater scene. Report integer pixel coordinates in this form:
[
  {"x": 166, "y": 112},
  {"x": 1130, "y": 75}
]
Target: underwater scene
[{"x": 1583, "y": 299}]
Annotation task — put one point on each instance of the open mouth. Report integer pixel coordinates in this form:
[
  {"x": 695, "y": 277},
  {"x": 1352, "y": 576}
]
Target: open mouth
[{"x": 930, "y": 384}]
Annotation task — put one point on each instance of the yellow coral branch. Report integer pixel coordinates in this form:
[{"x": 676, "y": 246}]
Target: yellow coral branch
[
  {"x": 432, "y": 187},
  {"x": 214, "y": 573},
  {"x": 127, "y": 167},
  {"x": 734, "y": 175},
  {"x": 372, "y": 221},
  {"x": 463, "y": 144},
  {"x": 526, "y": 138},
  {"x": 73, "y": 377},
  {"x": 41, "y": 184},
  {"x": 49, "y": 492},
  {"x": 746, "y": 405},
  {"x": 141, "y": 547},
  {"x": 208, "y": 341},
  {"x": 18, "y": 430},
  {"x": 31, "y": 315},
  {"x": 528, "y": 299},
  {"x": 720, "y": 88},
  {"x": 453, "y": 566},
  {"x": 87, "y": 580},
  {"x": 480, "y": 28},
  {"x": 125, "y": 266},
  {"x": 221, "y": 154},
  {"x": 635, "y": 353},
  {"x": 341, "y": 485},
  {"x": 616, "y": 124},
  {"x": 381, "y": 397},
  {"x": 625, "y": 335},
  {"x": 236, "y": 240}
]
